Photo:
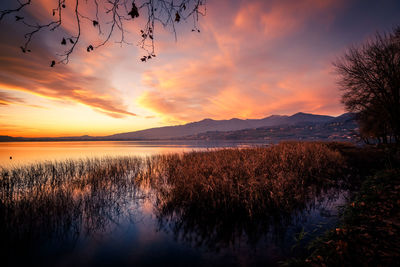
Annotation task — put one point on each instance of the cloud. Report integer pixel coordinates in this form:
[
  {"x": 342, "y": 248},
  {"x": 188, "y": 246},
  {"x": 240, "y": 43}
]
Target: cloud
[
  {"x": 248, "y": 65},
  {"x": 31, "y": 72},
  {"x": 241, "y": 78},
  {"x": 184, "y": 91},
  {"x": 280, "y": 18},
  {"x": 7, "y": 99},
  {"x": 217, "y": 89}
]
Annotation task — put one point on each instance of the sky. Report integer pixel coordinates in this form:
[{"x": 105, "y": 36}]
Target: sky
[{"x": 251, "y": 59}]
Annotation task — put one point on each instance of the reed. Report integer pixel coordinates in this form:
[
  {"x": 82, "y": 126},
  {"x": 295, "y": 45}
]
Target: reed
[
  {"x": 63, "y": 200},
  {"x": 253, "y": 180},
  {"x": 211, "y": 197},
  {"x": 208, "y": 196}
]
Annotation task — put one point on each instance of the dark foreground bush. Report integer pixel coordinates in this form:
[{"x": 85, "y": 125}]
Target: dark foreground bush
[{"x": 370, "y": 232}]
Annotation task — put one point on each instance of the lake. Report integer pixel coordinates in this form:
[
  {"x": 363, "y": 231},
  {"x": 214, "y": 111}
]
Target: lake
[
  {"x": 123, "y": 211},
  {"x": 23, "y": 153}
]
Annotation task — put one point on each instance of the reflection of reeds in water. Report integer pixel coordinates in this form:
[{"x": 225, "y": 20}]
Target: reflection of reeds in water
[
  {"x": 210, "y": 198},
  {"x": 207, "y": 198},
  {"x": 63, "y": 200}
]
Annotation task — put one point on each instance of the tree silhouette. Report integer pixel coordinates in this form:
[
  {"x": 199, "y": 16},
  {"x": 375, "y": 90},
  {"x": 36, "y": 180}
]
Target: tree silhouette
[
  {"x": 369, "y": 76},
  {"x": 108, "y": 17}
]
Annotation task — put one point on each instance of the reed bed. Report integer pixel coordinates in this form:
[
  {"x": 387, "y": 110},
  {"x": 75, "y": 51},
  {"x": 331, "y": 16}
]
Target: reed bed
[
  {"x": 63, "y": 200},
  {"x": 252, "y": 180},
  {"x": 212, "y": 197},
  {"x": 209, "y": 197}
]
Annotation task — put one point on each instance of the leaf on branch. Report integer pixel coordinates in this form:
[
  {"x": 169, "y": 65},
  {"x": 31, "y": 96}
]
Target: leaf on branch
[
  {"x": 89, "y": 48},
  {"x": 134, "y": 13},
  {"x": 63, "y": 5},
  {"x": 63, "y": 42},
  {"x": 52, "y": 63},
  {"x": 23, "y": 49},
  {"x": 17, "y": 18},
  {"x": 95, "y": 23},
  {"x": 143, "y": 59},
  {"x": 71, "y": 41},
  {"x": 177, "y": 17}
]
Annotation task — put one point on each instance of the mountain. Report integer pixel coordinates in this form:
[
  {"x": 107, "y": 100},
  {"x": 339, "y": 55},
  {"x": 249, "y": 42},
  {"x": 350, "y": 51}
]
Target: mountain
[
  {"x": 341, "y": 128},
  {"x": 208, "y": 125},
  {"x": 298, "y": 126}
]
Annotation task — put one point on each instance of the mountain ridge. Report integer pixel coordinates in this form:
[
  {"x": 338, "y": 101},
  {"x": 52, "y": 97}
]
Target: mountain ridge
[
  {"x": 340, "y": 128},
  {"x": 199, "y": 129},
  {"x": 206, "y": 125}
]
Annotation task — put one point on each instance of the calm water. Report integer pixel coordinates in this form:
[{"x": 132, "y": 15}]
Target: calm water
[
  {"x": 133, "y": 230},
  {"x": 130, "y": 224},
  {"x": 23, "y": 153},
  {"x": 143, "y": 237}
]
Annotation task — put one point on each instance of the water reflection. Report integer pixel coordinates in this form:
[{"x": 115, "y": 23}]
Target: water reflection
[
  {"x": 125, "y": 211},
  {"x": 216, "y": 232},
  {"x": 24, "y": 153},
  {"x": 51, "y": 206}
]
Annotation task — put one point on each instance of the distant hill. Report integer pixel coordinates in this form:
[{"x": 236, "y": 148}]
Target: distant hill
[
  {"x": 341, "y": 128},
  {"x": 302, "y": 125},
  {"x": 208, "y": 125}
]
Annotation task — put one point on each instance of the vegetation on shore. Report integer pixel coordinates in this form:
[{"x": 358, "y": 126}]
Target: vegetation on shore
[
  {"x": 369, "y": 231},
  {"x": 369, "y": 235}
]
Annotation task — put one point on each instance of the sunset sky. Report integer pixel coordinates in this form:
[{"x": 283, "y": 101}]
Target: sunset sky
[{"x": 252, "y": 59}]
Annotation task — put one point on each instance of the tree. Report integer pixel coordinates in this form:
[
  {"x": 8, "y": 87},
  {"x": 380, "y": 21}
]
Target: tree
[
  {"x": 369, "y": 76},
  {"x": 108, "y": 17}
]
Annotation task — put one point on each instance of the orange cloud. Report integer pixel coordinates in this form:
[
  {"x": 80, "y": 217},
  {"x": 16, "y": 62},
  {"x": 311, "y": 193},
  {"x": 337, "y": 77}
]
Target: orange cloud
[
  {"x": 220, "y": 90},
  {"x": 7, "y": 99},
  {"x": 279, "y": 18},
  {"x": 248, "y": 65},
  {"x": 32, "y": 73}
]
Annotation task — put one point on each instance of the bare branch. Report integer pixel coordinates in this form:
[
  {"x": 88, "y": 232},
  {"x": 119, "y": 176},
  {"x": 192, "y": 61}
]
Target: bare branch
[
  {"x": 114, "y": 14},
  {"x": 6, "y": 12}
]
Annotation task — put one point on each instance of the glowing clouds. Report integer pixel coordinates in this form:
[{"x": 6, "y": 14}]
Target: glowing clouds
[{"x": 250, "y": 67}]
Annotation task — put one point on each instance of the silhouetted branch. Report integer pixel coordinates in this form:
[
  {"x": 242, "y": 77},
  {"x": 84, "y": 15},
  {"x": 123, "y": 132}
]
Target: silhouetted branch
[
  {"x": 114, "y": 13},
  {"x": 3, "y": 13}
]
